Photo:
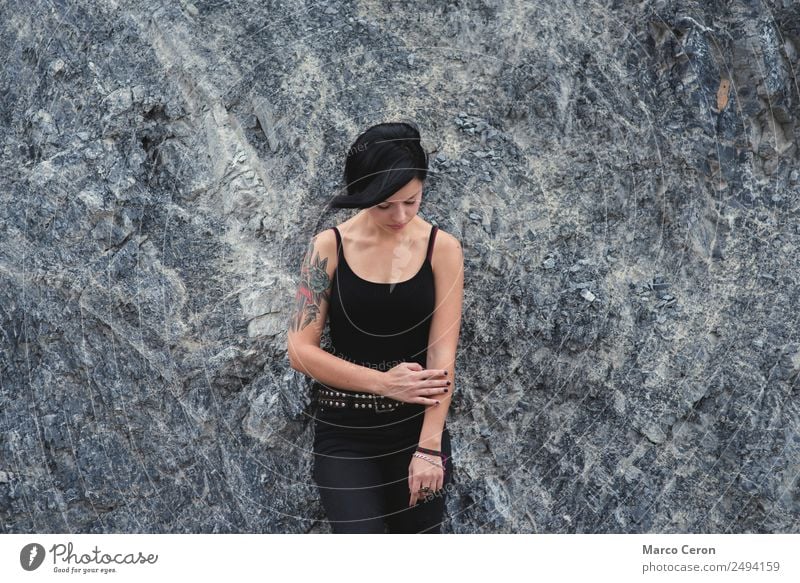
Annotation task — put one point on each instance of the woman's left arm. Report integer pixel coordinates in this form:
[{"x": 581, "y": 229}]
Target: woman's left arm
[{"x": 445, "y": 328}]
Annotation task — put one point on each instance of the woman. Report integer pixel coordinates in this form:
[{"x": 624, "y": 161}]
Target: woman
[{"x": 392, "y": 286}]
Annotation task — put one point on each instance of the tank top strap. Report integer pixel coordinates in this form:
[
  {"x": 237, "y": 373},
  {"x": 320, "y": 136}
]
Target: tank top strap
[
  {"x": 338, "y": 239},
  {"x": 431, "y": 239}
]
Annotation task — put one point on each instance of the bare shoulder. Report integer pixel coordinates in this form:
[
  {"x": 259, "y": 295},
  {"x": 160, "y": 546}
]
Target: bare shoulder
[
  {"x": 447, "y": 250},
  {"x": 322, "y": 250},
  {"x": 325, "y": 240},
  {"x": 446, "y": 242}
]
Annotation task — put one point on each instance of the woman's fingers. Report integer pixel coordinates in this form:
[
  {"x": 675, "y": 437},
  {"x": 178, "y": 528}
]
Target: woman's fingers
[
  {"x": 414, "y": 485},
  {"x": 437, "y": 383},
  {"x": 425, "y": 392},
  {"x": 432, "y": 477},
  {"x": 426, "y": 401},
  {"x": 427, "y": 374}
]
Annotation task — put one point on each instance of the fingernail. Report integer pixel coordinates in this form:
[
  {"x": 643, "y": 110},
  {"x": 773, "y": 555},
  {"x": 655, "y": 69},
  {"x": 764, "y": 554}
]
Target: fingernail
[
  {"x": 446, "y": 390},
  {"x": 448, "y": 382},
  {"x": 437, "y": 402},
  {"x": 445, "y": 372}
]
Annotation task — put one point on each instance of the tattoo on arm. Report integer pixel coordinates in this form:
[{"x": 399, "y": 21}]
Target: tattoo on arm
[{"x": 314, "y": 288}]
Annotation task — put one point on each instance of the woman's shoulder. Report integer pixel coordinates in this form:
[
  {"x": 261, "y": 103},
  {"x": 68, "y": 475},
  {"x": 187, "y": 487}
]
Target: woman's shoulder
[
  {"x": 446, "y": 241},
  {"x": 447, "y": 264},
  {"x": 446, "y": 255},
  {"x": 323, "y": 247},
  {"x": 325, "y": 239}
]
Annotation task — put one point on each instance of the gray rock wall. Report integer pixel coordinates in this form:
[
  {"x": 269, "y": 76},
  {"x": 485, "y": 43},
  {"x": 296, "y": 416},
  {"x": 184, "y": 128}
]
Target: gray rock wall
[{"x": 623, "y": 177}]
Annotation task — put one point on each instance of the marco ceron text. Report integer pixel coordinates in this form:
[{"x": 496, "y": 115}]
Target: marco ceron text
[{"x": 685, "y": 550}]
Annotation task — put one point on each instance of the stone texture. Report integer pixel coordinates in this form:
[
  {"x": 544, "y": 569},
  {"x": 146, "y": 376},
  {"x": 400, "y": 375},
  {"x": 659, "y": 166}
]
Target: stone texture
[{"x": 623, "y": 177}]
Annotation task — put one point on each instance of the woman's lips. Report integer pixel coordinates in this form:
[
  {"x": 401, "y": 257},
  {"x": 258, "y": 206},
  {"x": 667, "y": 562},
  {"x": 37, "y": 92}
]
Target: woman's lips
[{"x": 397, "y": 226}]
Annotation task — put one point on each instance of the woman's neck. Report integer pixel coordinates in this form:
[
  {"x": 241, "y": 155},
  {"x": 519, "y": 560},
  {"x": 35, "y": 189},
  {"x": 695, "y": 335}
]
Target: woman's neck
[{"x": 368, "y": 229}]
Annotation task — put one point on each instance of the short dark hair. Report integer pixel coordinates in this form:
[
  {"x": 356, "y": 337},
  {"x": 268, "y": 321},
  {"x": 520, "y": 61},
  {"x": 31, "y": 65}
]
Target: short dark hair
[{"x": 382, "y": 160}]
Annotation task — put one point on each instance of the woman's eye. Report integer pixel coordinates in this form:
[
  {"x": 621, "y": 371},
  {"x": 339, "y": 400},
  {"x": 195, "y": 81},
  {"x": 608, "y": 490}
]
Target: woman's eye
[{"x": 408, "y": 202}]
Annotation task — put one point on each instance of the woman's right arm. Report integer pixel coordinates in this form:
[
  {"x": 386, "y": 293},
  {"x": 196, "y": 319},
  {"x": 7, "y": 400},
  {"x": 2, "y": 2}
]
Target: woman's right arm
[{"x": 308, "y": 321}]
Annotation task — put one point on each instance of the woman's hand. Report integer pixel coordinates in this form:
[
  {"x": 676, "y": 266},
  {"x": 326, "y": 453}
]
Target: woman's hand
[
  {"x": 423, "y": 473},
  {"x": 411, "y": 383}
]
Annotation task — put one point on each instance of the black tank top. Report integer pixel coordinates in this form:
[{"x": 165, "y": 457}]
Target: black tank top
[{"x": 380, "y": 325}]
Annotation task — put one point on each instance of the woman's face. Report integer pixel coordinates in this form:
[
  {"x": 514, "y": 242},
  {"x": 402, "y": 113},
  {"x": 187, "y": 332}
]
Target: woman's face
[{"x": 398, "y": 210}]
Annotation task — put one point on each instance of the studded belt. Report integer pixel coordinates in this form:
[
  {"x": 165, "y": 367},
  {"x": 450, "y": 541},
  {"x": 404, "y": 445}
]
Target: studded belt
[{"x": 351, "y": 400}]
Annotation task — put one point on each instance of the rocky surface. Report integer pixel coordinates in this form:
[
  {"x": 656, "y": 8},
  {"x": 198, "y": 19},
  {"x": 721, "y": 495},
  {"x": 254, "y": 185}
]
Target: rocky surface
[{"x": 623, "y": 177}]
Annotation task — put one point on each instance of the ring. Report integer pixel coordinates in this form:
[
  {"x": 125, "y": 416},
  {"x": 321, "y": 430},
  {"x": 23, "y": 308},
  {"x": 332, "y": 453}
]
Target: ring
[{"x": 424, "y": 489}]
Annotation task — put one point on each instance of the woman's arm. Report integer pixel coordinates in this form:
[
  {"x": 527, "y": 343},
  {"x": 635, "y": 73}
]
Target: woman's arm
[
  {"x": 336, "y": 372},
  {"x": 445, "y": 329},
  {"x": 308, "y": 321}
]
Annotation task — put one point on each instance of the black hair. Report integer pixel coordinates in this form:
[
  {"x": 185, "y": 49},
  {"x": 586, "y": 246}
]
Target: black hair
[{"x": 382, "y": 160}]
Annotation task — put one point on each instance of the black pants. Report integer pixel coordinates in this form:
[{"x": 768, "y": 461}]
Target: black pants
[{"x": 361, "y": 464}]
